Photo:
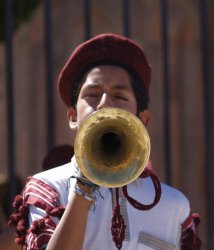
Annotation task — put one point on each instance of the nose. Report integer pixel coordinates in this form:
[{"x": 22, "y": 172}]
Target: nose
[{"x": 105, "y": 102}]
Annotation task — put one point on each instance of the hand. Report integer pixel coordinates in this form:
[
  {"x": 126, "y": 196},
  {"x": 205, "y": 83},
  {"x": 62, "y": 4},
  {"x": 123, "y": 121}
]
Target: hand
[{"x": 83, "y": 180}]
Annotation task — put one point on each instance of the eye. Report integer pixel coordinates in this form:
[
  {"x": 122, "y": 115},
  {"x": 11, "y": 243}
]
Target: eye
[
  {"x": 120, "y": 97},
  {"x": 91, "y": 96}
]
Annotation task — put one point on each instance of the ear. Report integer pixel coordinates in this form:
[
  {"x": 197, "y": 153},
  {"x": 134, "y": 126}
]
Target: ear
[
  {"x": 144, "y": 116},
  {"x": 72, "y": 118}
]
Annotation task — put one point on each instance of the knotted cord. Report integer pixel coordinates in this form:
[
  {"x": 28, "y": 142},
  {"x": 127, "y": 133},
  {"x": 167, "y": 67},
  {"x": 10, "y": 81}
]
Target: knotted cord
[{"x": 118, "y": 225}]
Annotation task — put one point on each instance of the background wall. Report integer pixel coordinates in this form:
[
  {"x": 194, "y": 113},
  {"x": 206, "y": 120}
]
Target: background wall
[{"x": 187, "y": 127}]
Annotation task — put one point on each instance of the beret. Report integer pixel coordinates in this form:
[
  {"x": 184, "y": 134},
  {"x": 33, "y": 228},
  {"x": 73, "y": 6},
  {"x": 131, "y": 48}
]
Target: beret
[{"x": 103, "y": 49}]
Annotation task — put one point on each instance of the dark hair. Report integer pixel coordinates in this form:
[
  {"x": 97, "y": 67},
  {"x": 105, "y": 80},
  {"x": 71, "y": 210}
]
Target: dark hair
[
  {"x": 140, "y": 92},
  {"x": 139, "y": 89}
]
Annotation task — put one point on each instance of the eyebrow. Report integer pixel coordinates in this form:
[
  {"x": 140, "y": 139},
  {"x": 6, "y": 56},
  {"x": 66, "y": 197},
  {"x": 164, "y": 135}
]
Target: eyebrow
[
  {"x": 93, "y": 85},
  {"x": 119, "y": 86}
]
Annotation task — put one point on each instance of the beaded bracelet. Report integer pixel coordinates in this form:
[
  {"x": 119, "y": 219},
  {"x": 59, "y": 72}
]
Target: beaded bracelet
[
  {"x": 95, "y": 192},
  {"x": 84, "y": 194}
]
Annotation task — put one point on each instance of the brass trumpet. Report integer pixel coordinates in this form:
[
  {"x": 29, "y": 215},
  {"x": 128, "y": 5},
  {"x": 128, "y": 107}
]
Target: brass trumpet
[{"x": 112, "y": 147}]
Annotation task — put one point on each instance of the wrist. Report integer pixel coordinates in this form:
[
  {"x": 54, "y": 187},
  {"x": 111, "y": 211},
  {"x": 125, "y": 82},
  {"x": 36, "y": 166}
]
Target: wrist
[
  {"x": 86, "y": 189},
  {"x": 86, "y": 195},
  {"x": 83, "y": 187}
]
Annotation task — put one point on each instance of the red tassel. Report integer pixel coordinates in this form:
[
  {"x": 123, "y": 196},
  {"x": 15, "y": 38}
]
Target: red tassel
[
  {"x": 55, "y": 211},
  {"x": 118, "y": 225},
  {"x": 14, "y": 219},
  {"x": 37, "y": 226},
  {"x": 20, "y": 240},
  {"x": 23, "y": 210},
  {"x": 190, "y": 239},
  {"x": 191, "y": 242},
  {"x": 22, "y": 226},
  {"x": 18, "y": 201}
]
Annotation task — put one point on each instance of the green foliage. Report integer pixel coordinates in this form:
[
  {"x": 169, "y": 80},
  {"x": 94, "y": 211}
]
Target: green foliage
[{"x": 22, "y": 11}]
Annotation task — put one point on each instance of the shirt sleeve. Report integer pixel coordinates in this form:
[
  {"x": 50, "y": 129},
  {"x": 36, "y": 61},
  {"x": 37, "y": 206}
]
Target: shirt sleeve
[
  {"x": 37, "y": 212},
  {"x": 190, "y": 239}
]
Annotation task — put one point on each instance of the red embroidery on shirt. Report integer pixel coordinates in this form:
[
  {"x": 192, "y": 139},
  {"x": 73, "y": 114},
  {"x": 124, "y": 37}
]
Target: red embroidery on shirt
[
  {"x": 40, "y": 195},
  {"x": 40, "y": 233}
]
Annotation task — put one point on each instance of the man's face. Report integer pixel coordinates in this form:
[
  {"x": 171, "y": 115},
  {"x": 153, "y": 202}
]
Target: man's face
[{"x": 105, "y": 86}]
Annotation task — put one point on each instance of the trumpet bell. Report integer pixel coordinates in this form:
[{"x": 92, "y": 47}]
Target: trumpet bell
[{"x": 112, "y": 147}]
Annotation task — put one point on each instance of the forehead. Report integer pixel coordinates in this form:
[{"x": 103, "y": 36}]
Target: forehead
[{"x": 107, "y": 74}]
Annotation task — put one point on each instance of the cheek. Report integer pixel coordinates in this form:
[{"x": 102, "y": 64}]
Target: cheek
[
  {"x": 132, "y": 107},
  {"x": 83, "y": 111}
]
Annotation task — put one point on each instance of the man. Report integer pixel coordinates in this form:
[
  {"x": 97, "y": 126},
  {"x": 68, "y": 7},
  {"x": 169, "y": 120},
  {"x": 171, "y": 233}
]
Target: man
[{"x": 55, "y": 211}]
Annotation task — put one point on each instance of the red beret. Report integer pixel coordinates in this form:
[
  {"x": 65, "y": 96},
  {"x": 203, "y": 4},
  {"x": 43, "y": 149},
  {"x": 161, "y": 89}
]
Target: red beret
[{"x": 101, "y": 50}]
